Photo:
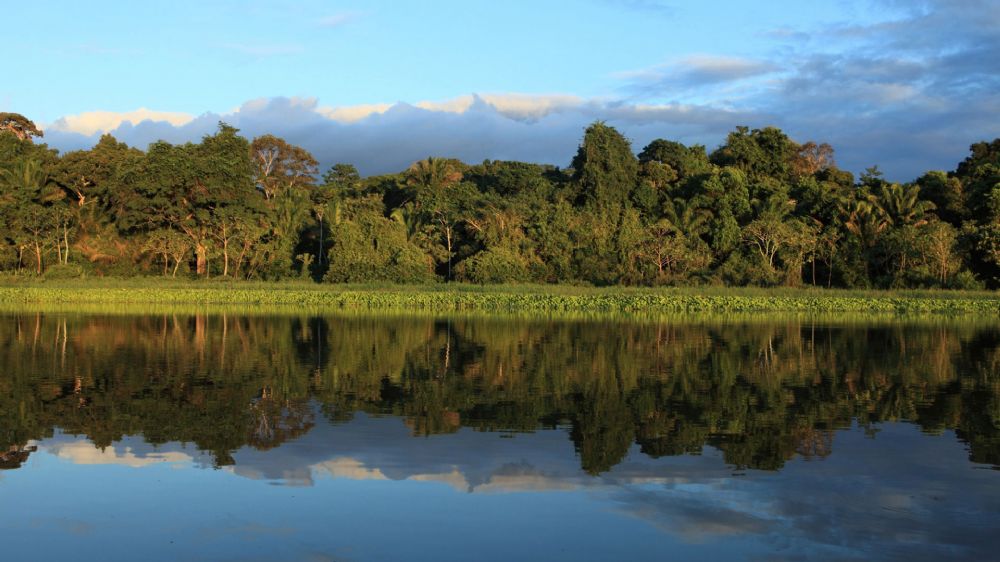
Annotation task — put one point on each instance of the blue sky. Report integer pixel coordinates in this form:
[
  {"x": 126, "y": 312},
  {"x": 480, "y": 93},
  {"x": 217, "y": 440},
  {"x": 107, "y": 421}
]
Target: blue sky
[{"x": 908, "y": 85}]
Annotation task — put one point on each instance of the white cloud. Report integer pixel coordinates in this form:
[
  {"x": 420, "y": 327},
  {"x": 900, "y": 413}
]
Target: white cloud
[
  {"x": 351, "y": 469},
  {"x": 693, "y": 73},
  {"x": 84, "y": 452},
  {"x": 383, "y": 138},
  {"x": 526, "y": 106},
  {"x": 352, "y": 113},
  {"x": 94, "y": 122}
]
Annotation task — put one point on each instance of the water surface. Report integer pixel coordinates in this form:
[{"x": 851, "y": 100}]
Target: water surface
[{"x": 333, "y": 437}]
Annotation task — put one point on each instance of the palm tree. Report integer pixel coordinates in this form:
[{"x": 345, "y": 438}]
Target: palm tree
[
  {"x": 411, "y": 218},
  {"x": 433, "y": 172},
  {"x": 30, "y": 190},
  {"x": 27, "y": 179},
  {"x": 866, "y": 220},
  {"x": 901, "y": 205},
  {"x": 672, "y": 242},
  {"x": 685, "y": 217}
]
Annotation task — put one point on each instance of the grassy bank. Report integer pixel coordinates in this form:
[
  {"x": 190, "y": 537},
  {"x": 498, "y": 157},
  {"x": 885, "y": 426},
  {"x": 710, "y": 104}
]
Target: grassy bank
[{"x": 458, "y": 297}]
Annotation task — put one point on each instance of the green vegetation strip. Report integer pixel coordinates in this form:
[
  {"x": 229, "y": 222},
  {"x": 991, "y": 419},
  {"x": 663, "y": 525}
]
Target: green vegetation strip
[{"x": 509, "y": 299}]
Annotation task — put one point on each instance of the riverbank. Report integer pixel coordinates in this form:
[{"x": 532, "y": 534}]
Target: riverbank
[{"x": 501, "y": 298}]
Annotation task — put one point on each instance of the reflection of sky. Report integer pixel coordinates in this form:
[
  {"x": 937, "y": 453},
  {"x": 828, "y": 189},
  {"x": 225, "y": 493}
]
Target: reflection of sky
[{"x": 367, "y": 489}]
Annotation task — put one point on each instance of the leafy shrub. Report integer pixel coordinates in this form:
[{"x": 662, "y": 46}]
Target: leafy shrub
[
  {"x": 63, "y": 271},
  {"x": 495, "y": 265}
]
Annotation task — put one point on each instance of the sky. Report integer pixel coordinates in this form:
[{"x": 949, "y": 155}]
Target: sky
[
  {"x": 908, "y": 85},
  {"x": 899, "y": 492}
]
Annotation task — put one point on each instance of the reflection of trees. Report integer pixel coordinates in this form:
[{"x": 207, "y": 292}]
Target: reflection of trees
[
  {"x": 272, "y": 421},
  {"x": 15, "y": 456},
  {"x": 759, "y": 392}
]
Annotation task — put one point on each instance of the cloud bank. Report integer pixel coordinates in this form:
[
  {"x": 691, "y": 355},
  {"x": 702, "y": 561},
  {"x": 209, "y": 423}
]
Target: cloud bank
[
  {"x": 909, "y": 93},
  {"x": 383, "y": 138}
]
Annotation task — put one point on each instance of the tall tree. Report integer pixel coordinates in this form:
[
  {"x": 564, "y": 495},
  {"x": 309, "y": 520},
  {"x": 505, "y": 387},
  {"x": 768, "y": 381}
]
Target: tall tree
[
  {"x": 29, "y": 204},
  {"x": 279, "y": 167},
  {"x": 20, "y": 126},
  {"x": 605, "y": 169}
]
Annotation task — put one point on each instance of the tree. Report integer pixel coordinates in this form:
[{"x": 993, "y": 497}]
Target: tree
[
  {"x": 759, "y": 153},
  {"x": 900, "y": 205},
  {"x": 168, "y": 245},
  {"x": 88, "y": 174},
  {"x": 673, "y": 246},
  {"x": 367, "y": 246},
  {"x": 867, "y": 223},
  {"x": 938, "y": 247},
  {"x": 188, "y": 188},
  {"x": 605, "y": 169},
  {"x": 947, "y": 194},
  {"x": 434, "y": 173},
  {"x": 803, "y": 238},
  {"x": 279, "y": 167},
  {"x": 339, "y": 182},
  {"x": 29, "y": 203},
  {"x": 725, "y": 195},
  {"x": 20, "y": 126},
  {"x": 766, "y": 236},
  {"x": 344, "y": 179},
  {"x": 811, "y": 158},
  {"x": 684, "y": 161}
]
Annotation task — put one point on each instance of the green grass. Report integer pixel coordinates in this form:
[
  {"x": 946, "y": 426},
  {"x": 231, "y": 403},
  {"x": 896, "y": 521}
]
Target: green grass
[{"x": 502, "y": 298}]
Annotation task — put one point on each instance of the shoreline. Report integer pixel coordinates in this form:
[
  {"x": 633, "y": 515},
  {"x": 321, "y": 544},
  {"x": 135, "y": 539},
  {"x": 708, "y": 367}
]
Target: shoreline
[{"x": 540, "y": 299}]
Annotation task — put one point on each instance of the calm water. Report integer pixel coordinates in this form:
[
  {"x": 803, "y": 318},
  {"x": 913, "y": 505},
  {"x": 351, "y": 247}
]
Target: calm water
[{"x": 397, "y": 438}]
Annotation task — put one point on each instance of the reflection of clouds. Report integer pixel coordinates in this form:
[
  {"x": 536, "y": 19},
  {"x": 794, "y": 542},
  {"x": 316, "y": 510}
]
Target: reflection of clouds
[
  {"x": 346, "y": 467},
  {"x": 695, "y": 515},
  {"x": 84, "y": 452},
  {"x": 504, "y": 480},
  {"x": 902, "y": 495},
  {"x": 300, "y": 476}
]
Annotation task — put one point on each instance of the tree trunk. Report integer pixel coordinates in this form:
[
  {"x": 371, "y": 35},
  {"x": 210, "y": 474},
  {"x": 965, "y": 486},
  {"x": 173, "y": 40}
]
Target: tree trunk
[
  {"x": 201, "y": 257},
  {"x": 225, "y": 257},
  {"x": 38, "y": 258},
  {"x": 66, "y": 241},
  {"x": 448, "y": 236},
  {"x": 319, "y": 241}
]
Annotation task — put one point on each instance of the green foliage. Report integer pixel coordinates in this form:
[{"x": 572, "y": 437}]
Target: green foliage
[
  {"x": 64, "y": 271},
  {"x": 759, "y": 153},
  {"x": 762, "y": 209},
  {"x": 497, "y": 298},
  {"x": 605, "y": 169},
  {"x": 367, "y": 246},
  {"x": 500, "y": 264}
]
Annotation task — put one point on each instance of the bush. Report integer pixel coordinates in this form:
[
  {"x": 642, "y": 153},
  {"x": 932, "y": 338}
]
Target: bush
[
  {"x": 369, "y": 247},
  {"x": 63, "y": 271},
  {"x": 966, "y": 281},
  {"x": 496, "y": 265}
]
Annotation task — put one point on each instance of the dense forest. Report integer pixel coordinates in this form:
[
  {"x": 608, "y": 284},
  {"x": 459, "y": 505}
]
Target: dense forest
[
  {"x": 761, "y": 209},
  {"x": 761, "y": 393}
]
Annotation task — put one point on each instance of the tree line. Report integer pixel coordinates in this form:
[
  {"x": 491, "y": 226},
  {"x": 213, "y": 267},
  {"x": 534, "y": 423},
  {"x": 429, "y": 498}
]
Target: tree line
[
  {"x": 761, "y": 209},
  {"x": 761, "y": 392}
]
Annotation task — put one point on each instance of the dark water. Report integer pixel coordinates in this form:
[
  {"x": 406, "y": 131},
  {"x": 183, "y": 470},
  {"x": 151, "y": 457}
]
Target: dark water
[{"x": 397, "y": 438}]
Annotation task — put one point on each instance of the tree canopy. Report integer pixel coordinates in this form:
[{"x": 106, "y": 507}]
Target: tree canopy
[{"x": 760, "y": 209}]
